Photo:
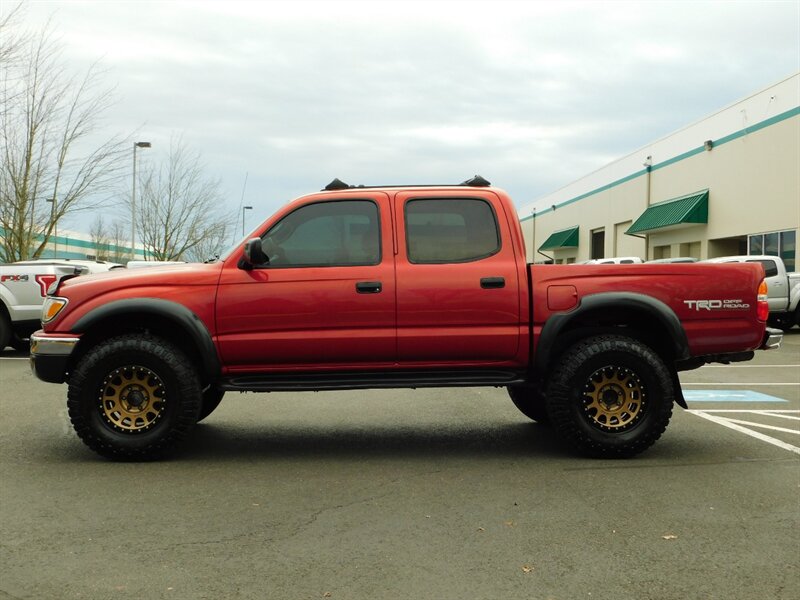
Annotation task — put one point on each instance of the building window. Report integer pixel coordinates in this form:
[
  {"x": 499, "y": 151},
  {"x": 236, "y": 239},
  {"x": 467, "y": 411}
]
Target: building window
[
  {"x": 599, "y": 243},
  {"x": 776, "y": 243}
]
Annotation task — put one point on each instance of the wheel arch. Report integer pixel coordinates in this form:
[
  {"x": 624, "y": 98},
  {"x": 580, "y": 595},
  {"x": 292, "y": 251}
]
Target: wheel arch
[
  {"x": 164, "y": 318},
  {"x": 641, "y": 317}
]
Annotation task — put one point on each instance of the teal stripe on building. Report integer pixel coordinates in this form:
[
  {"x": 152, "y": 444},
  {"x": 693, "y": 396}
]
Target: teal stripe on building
[{"x": 671, "y": 161}]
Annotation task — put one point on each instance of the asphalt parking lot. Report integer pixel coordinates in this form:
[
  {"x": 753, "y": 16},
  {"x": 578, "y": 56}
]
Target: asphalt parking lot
[{"x": 422, "y": 494}]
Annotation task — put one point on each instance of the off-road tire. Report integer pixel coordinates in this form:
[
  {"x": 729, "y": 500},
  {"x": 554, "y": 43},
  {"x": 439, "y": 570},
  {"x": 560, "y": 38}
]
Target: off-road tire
[
  {"x": 783, "y": 321},
  {"x": 610, "y": 396},
  {"x": 211, "y": 399},
  {"x": 530, "y": 402},
  {"x": 5, "y": 330},
  {"x": 20, "y": 344},
  {"x": 109, "y": 381}
]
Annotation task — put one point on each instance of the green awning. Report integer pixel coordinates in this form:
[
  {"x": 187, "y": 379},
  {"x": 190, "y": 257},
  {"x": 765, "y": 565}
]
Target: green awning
[
  {"x": 691, "y": 209},
  {"x": 566, "y": 238}
]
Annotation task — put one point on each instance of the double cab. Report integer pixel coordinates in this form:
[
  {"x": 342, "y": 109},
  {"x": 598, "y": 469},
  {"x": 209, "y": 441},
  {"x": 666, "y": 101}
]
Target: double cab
[{"x": 393, "y": 287}]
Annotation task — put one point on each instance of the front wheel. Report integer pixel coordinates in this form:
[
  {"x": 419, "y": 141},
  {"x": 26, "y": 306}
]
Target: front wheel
[
  {"x": 133, "y": 397},
  {"x": 5, "y": 331},
  {"x": 610, "y": 396}
]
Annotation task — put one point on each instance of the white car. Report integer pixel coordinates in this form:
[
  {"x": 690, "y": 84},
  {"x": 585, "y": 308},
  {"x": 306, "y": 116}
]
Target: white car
[
  {"x": 87, "y": 266},
  {"x": 783, "y": 289},
  {"x": 620, "y": 260}
]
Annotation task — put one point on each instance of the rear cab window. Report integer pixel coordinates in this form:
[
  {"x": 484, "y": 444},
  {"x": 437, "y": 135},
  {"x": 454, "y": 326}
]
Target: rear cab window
[
  {"x": 770, "y": 267},
  {"x": 450, "y": 230}
]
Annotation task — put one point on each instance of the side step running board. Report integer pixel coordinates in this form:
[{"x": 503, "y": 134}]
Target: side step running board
[{"x": 368, "y": 380}]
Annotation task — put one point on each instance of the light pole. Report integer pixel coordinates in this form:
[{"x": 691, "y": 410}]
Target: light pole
[
  {"x": 244, "y": 208},
  {"x": 133, "y": 198},
  {"x": 52, "y": 202}
]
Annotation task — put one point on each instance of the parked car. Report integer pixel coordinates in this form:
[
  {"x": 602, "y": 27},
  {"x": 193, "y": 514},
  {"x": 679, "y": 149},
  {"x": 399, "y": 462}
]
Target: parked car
[
  {"x": 620, "y": 260},
  {"x": 23, "y": 288},
  {"x": 87, "y": 266},
  {"x": 139, "y": 264},
  {"x": 675, "y": 259},
  {"x": 394, "y": 287},
  {"x": 783, "y": 288}
]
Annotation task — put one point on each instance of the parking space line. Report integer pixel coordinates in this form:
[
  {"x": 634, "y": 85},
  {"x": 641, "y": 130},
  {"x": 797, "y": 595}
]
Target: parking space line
[
  {"x": 751, "y": 366},
  {"x": 730, "y": 424},
  {"x": 764, "y": 426},
  {"x": 776, "y": 414},
  {"x": 768, "y": 413},
  {"x": 751, "y": 383},
  {"x": 704, "y": 395}
]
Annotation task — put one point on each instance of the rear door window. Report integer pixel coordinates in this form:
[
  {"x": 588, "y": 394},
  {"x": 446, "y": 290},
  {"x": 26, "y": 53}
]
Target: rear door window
[{"x": 450, "y": 230}]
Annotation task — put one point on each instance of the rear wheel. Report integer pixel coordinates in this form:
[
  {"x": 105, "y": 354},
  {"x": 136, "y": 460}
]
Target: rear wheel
[
  {"x": 785, "y": 321},
  {"x": 530, "y": 401},
  {"x": 133, "y": 397},
  {"x": 610, "y": 396}
]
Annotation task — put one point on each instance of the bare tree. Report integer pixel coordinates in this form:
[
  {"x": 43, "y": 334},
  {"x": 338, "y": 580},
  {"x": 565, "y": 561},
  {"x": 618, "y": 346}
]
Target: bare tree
[
  {"x": 11, "y": 40},
  {"x": 50, "y": 165},
  {"x": 110, "y": 240},
  {"x": 179, "y": 213}
]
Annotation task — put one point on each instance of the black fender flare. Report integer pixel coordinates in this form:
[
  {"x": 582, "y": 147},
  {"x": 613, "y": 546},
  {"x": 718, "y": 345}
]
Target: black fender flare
[
  {"x": 176, "y": 313},
  {"x": 558, "y": 323}
]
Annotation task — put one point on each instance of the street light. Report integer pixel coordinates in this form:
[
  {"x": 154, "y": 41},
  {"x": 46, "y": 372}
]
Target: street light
[
  {"x": 244, "y": 208},
  {"x": 133, "y": 198}
]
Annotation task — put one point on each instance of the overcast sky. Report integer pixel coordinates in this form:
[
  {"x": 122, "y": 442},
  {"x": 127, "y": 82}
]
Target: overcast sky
[{"x": 531, "y": 95}]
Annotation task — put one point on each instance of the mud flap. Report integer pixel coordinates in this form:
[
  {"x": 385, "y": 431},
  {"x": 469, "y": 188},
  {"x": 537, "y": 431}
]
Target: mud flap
[{"x": 676, "y": 383}]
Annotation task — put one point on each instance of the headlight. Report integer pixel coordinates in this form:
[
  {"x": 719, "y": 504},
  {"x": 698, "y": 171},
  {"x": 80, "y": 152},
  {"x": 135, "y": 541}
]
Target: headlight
[{"x": 51, "y": 307}]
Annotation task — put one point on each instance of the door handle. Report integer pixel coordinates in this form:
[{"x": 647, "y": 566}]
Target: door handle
[
  {"x": 369, "y": 287},
  {"x": 492, "y": 283}
]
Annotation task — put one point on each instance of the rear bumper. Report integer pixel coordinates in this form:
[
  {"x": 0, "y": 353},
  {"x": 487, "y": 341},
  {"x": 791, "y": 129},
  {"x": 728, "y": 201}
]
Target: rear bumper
[
  {"x": 50, "y": 355},
  {"x": 772, "y": 339}
]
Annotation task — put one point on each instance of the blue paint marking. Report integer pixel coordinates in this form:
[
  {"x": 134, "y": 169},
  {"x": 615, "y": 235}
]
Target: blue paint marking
[{"x": 728, "y": 396}]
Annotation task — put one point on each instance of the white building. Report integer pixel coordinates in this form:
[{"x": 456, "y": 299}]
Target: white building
[{"x": 727, "y": 184}]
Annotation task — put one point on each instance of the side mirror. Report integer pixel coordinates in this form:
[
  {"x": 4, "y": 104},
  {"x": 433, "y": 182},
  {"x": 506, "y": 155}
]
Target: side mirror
[{"x": 253, "y": 254}]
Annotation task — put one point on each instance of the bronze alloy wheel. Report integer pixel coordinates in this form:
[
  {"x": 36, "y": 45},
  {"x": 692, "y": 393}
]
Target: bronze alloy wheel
[
  {"x": 613, "y": 398},
  {"x": 132, "y": 399}
]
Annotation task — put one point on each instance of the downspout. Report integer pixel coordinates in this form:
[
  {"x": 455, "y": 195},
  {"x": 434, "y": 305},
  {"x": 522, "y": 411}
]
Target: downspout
[{"x": 648, "y": 163}]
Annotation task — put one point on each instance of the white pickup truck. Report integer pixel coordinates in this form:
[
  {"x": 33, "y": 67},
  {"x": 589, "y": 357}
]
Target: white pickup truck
[
  {"x": 23, "y": 287},
  {"x": 783, "y": 288}
]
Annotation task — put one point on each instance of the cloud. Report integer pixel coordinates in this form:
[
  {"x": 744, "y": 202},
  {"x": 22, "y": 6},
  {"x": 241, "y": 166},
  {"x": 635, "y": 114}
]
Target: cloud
[{"x": 531, "y": 95}]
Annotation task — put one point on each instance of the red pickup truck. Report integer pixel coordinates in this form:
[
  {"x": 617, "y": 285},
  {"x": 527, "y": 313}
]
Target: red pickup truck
[{"x": 394, "y": 287}]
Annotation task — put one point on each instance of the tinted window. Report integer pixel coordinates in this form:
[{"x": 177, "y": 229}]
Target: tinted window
[
  {"x": 342, "y": 233},
  {"x": 788, "y": 244},
  {"x": 756, "y": 244},
  {"x": 770, "y": 268},
  {"x": 450, "y": 230}
]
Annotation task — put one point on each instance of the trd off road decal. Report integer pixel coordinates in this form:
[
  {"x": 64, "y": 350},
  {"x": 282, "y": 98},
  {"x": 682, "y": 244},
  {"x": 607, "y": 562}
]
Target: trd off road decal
[{"x": 716, "y": 305}]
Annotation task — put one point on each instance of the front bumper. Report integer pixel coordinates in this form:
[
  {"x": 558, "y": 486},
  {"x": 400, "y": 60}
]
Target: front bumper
[
  {"x": 772, "y": 339},
  {"x": 50, "y": 356}
]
